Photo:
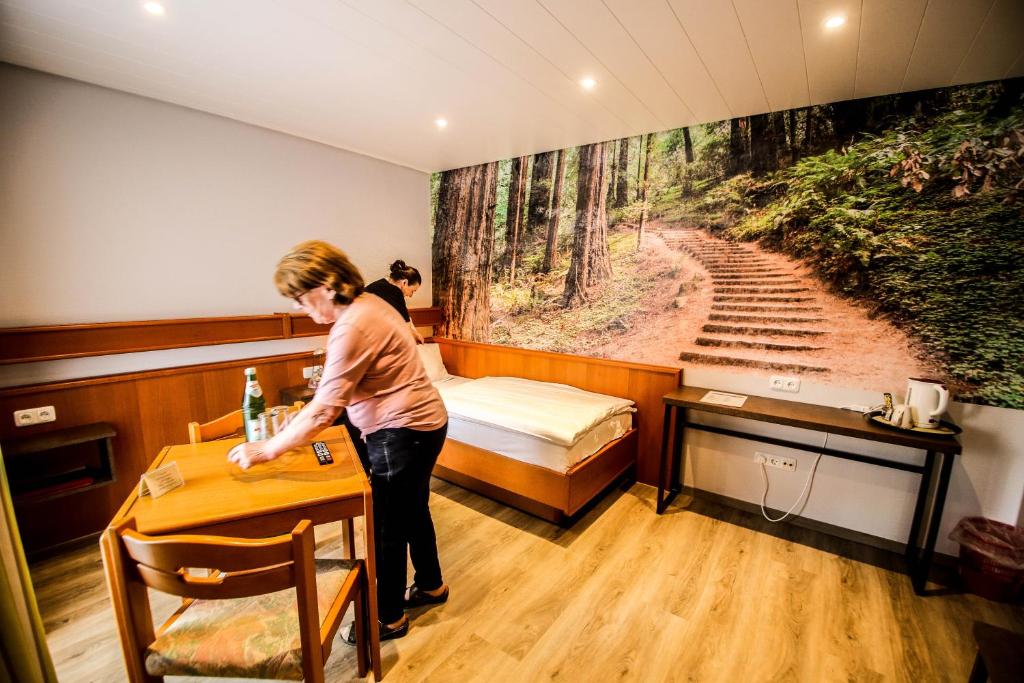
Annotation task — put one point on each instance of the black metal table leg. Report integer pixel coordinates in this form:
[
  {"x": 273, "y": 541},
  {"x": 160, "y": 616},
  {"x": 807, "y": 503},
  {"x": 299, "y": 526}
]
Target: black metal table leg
[
  {"x": 920, "y": 575},
  {"x": 919, "y": 508},
  {"x": 676, "y": 471},
  {"x": 661, "y": 502}
]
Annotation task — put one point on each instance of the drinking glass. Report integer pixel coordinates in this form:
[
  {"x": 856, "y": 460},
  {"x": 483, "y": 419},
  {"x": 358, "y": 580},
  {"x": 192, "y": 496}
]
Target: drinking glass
[
  {"x": 266, "y": 427},
  {"x": 279, "y": 418}
]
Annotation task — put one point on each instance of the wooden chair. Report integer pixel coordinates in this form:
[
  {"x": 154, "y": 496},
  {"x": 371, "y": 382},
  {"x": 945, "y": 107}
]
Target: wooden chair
[
  {"x": 242, "y": 620},
  {"x": 223, "y": 426}
]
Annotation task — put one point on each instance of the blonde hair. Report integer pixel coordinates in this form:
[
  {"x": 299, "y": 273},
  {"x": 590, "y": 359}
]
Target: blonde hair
[{"x": 314, "y": 263}]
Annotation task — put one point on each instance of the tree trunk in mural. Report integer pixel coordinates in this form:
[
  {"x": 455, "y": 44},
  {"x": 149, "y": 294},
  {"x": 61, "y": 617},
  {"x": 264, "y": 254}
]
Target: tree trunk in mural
[
  {"x": 551, "y": 248},
  {"x": 600, "y": 257},
  {"x": 794, "y": 146},
  {"x": 762, "y": 143},
  {"x": 779, "y": 141},
  {"x": 514, "y": 218},
  {"x": 609, "y": 188},
  {"x": 808, "y": 144},
  {"x": 1009, "y": 98},
  {"x": 688, "y": 145},
  {"x": 643, "y": 192},
  {"x": 613, "y": 184},
  {"x": 463, "y": 242},
  {"x": 639, "y": 166},
  {"x": 540, "y": 197},
  {"x": 622, "y": 182},
  {"x": 849, "y": 119},
  {"x": 737, "y": 147},
  {"x": 590, "y": 259}
]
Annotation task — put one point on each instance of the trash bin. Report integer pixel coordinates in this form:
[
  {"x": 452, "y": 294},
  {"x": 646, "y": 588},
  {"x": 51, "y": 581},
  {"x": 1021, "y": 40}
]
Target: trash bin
[{"x": 991, "y": 558}]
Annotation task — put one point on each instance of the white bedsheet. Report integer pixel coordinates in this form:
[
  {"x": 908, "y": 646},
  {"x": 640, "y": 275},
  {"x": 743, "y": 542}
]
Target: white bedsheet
[
  {"x": 553, "y": 412},
  {"x": 528, "y": 447}
]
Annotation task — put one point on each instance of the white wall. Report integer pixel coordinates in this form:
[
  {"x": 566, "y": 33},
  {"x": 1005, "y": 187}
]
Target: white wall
[
  {"x": 987, "y": 480},
  {"x": 117, "y": 207}
]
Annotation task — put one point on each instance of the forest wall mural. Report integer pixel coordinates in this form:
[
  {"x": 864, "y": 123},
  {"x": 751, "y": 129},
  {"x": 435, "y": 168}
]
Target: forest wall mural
[{"x": 856, "y": 244}]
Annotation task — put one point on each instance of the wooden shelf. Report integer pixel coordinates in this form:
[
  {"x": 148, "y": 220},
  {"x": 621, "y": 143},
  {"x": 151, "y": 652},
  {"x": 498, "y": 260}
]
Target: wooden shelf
[{"x": 48, "y": 465}]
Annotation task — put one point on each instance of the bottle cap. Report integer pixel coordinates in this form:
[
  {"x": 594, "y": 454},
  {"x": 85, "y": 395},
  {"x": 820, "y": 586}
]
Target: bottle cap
[{"x": 250, "y": 371}]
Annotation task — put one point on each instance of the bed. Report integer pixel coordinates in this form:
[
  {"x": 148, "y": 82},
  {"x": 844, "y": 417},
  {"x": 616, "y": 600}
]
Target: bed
[{"x": 556, "y": 442}]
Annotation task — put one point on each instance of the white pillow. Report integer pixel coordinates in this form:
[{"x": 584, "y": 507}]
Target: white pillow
[{"x": 430, "y": 354}]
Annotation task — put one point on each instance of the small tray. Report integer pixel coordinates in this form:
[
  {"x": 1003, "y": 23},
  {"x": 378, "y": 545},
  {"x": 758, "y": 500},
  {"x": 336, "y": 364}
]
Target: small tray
[{"x": 944, "y": 428}]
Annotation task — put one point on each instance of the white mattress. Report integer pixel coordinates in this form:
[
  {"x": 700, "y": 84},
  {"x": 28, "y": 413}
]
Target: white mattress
[{"x": 527, "y": 447}]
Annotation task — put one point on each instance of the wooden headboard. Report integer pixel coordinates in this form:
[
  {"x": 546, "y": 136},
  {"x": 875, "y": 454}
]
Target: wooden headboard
[{"x": 643, "y": 384}]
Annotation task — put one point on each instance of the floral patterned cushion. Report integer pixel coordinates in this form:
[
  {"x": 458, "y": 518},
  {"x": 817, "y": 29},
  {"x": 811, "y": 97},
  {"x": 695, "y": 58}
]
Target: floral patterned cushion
[{"x": 255, "y": 637}]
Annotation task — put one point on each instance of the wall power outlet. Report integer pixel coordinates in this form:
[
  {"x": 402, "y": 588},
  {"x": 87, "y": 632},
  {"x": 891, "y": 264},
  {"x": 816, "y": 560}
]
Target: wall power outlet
[
  {"x": 34, "y": 416},
  {"x": 783, "y": 463},
  {"x": 780, "y": 383}
]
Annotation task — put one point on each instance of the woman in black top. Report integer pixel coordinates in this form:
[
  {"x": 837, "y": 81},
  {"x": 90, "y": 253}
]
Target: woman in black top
[{"x": 401, "y": 284}]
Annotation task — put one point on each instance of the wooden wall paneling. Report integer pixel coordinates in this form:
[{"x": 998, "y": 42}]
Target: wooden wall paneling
[
  {"x": 149, "y": 410},
  {"x": 55, "y": 342},
  {"x": 46, "y": 523},
  {"x": 165, "y": 407},
  {"x": 644, "y": 384}
]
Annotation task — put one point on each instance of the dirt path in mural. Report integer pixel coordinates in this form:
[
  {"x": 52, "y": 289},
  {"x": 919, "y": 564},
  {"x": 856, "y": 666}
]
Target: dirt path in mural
[{"x": 744, "y": 308}]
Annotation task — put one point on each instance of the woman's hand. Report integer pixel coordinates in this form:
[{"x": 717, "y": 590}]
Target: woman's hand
[{"x": 250, "y": 453}]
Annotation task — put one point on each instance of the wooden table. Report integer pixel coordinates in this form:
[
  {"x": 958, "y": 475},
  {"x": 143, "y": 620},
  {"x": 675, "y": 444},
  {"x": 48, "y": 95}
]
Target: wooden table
[
  {"x": 931, "y": 495},
  {"x": 267, "y": 499}
]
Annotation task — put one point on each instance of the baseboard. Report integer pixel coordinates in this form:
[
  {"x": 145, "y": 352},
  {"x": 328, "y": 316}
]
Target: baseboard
[{"x": 63, "y": 547}]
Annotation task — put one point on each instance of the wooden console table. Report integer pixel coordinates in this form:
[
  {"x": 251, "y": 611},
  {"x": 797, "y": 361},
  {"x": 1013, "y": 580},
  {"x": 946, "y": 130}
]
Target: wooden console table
[{"x": 931, "y": 494}]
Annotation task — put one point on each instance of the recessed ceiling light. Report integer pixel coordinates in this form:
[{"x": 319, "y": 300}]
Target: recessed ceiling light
[
  {"x": 441, "y": 123},
  {"x": 588, "y": 83},
  {"x": 835, "y": 21},
  {"x": 154, "y": 8}
]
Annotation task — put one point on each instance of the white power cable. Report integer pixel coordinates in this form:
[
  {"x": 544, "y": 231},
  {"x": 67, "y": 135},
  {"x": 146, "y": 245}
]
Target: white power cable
[{"x": 806, "y": 489}]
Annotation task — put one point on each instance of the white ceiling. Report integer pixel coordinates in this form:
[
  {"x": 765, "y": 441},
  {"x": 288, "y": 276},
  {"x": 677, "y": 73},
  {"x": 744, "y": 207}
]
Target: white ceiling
[{"x": 373, "y": 75}]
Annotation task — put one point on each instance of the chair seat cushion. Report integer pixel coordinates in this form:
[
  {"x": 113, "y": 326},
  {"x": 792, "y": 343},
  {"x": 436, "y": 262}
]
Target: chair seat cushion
[{"x": 255, "y": 637}]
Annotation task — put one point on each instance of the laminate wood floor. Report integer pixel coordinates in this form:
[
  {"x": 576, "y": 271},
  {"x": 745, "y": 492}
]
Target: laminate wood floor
[{"x": 622, "y": 595}]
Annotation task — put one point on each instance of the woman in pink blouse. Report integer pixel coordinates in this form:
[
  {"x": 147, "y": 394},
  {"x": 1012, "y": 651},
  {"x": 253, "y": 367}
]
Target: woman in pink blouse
[{"x": 373, "y": 371}]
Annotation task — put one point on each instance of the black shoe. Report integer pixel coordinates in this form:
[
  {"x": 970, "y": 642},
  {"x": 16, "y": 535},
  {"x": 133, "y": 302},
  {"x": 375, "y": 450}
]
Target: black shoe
[
  {"x": 419, "y": 598},
  {"x": 385, "y": 632}
]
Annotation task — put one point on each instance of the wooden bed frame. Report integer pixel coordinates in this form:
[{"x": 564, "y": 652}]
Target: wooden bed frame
[{"x": 548, "y": 494}]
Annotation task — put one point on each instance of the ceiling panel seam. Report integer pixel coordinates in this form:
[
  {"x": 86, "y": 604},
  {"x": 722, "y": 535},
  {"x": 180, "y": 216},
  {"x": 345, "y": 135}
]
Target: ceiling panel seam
[
  {"x": 913, "y": 48},
  {"x": 750, "y": 53},
  {"x": 1009, "y": 69},
  {"x": 538, "y": 52},
  {"x": 856, "y": 54},
  {"x": 662, "y": 124},
  {"x": 803, "y": 51},
  {"x": 174, "y": 83},
  {"x": 970, "y": 47},
  {"x": 651, "y": 61},
  {"x": 711, "y": 77},
  {"x": 475, "y": 47}
]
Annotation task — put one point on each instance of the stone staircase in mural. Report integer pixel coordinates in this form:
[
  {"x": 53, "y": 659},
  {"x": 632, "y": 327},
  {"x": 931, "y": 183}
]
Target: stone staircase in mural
[{"x": 762, "y": 313}]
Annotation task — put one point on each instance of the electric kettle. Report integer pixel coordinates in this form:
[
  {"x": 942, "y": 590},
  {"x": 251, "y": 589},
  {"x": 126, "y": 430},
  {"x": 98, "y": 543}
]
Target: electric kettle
[{"x": 926, "y": 400}]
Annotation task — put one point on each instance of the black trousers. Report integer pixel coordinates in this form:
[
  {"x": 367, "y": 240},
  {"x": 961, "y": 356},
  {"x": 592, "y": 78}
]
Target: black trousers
[{"x": 399, "y": 462}]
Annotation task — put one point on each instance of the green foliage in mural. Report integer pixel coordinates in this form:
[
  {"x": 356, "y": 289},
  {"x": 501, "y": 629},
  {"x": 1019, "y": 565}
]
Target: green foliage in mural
[{"x": 923, "y": 222}]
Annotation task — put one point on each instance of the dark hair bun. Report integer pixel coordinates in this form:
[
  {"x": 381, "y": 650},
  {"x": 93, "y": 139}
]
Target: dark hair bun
[{"x": 401, "y": 271}]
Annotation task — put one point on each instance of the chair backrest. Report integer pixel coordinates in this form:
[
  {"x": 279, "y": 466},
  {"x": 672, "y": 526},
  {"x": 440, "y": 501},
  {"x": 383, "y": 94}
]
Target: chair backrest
[
  {"x": 226, "y": 425},
  {"x": 244, "y": 566}
]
